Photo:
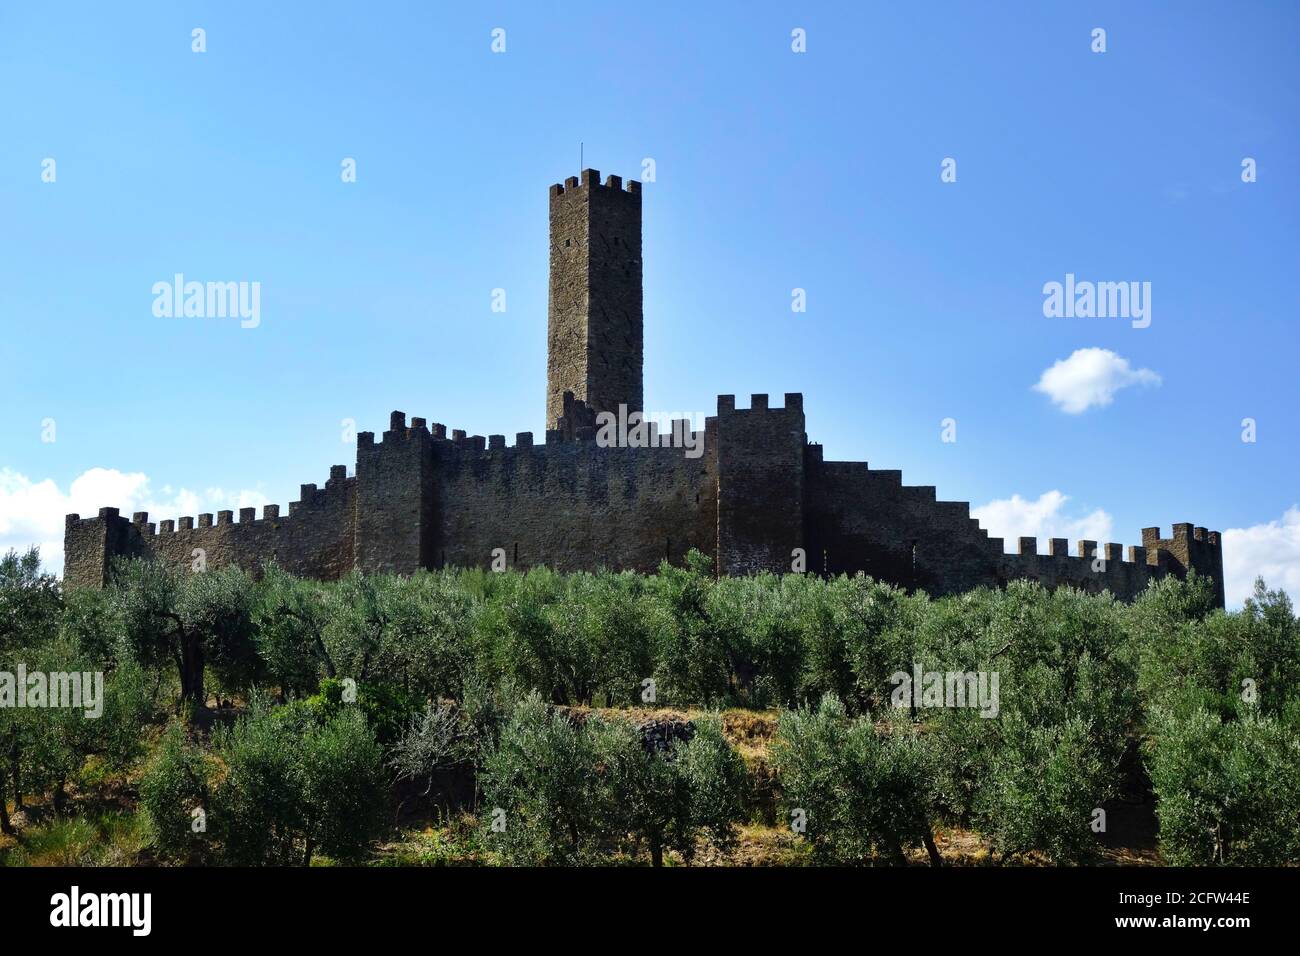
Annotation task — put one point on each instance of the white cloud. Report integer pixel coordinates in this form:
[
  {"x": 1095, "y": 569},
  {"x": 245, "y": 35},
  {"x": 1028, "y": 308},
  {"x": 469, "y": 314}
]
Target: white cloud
[
  {"x": 1090, "y": 377},
  {"x": 1046, "y": 517},
  {"x": 1270, "y": 551},
  {"x": 32, "y": 512}
]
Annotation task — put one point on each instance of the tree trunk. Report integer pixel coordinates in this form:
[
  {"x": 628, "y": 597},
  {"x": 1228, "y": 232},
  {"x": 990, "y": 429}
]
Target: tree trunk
[
  {"x": 306, "y": 853},
  {"x": 192, "y": 664},
  {"x": 6, "y": 825},
  {"x": 325, "y": 656},
  {"x": 16, "y": 776},
  {"x": 656, "y": 851},
  {"x": 930, "y": 848}
]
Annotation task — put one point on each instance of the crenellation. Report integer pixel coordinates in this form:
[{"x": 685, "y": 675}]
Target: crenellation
[{"x": 757, "y": 494}]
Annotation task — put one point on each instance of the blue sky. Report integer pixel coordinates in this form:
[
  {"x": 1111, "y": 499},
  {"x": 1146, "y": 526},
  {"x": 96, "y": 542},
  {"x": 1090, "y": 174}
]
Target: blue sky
[{"x": 774, "y": 170}]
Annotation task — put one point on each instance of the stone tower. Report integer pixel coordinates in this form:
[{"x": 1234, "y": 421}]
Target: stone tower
[{"x": 594, "y": 318}]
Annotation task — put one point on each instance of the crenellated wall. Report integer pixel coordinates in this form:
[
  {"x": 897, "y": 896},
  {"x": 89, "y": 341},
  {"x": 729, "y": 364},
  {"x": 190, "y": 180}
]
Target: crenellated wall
[
  {"x": 571, "y": 505},
  {"x": 314, "y": 540},
  {"x": 424, "y": 499},
  {"x": 760, "y": 484},
  {"x": 863, "y": 519},
  {"x": 756, "y": 497}
]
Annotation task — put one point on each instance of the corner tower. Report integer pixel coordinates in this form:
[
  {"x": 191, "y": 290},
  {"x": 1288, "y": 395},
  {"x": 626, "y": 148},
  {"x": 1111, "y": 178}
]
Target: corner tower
[{"x": 594, "y": 318}]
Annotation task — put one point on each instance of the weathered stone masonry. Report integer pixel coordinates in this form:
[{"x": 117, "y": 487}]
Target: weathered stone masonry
[{"x": 423, "y": 498}]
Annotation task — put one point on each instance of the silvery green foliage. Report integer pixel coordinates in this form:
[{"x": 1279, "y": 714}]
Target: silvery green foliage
[{"x": 438, "y": 740}]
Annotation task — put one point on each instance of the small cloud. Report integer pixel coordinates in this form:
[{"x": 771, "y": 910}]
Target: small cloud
[
  {"x": 1090, "y": 378},
  {"x": 1042, "y": 518},
  {"x": 1270, "y": 551}
]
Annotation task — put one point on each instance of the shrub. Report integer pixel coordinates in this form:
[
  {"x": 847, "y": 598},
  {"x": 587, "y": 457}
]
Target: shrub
[
  {"x": 540, "y": 796},
  {"x": 860, "y": 791},
  {"x": 291, "y": 616},
  {"x": 432, "y": 746},
  {"x": 1040, "y": 786},
  {"x": 1229, "y": 791},
  {"x": 388, "y": 709},
  {"x": 176, "y": 782},
  {"x": 188, "y": 620},
  {"x": 692, "y": 666},
  {"x": 295, "y": 783},
  {"x": 344, "y": 789},
  {"x": 668, "y": 797}
]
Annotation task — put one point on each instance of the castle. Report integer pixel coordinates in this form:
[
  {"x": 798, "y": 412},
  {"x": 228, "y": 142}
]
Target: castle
[{"x": 757, "y": 497}]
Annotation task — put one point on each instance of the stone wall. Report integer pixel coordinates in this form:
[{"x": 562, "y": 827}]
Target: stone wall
[
  {"x": 571, "y": 505},
  {"x": 864, "y": 519},
  {"x": 759, "y": 493},
  {"x": 594, "y": 310},
  {"x": 314, "y": 540},
  {"x": 760, "y": 484},
  {"x": 395, "y": 509},
  {"x": 423, "y": 499}
]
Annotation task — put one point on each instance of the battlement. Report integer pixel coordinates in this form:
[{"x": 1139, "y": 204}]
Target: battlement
[
  {"x": 595, "y": 315},
  {"x": 758, "y": 402},
  {"x": 587, "y": 492},
  {"x": 590, "y": 180}
]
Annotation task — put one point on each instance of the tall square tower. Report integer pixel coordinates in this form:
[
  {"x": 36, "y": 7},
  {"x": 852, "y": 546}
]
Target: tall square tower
[{"x": 594, "y": 315}]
